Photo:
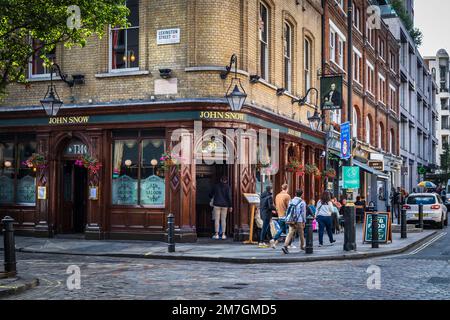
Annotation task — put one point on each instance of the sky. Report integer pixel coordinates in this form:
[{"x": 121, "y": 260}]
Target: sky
[{"x": 431, "y": 17}]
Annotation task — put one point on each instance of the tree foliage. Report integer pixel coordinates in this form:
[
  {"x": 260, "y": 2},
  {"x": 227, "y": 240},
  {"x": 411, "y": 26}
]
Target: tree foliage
[
  {"x": 50, "y": 23},
  {"x": 400, "y": 9},
  {"x": 445, "y": 162}
]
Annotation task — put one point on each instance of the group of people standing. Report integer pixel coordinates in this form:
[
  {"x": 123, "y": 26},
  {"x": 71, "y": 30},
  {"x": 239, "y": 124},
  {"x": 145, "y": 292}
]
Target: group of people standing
[{"x": 292, "y": 214}]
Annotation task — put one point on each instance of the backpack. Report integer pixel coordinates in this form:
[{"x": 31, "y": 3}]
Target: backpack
[{"x": 291, "y": 214}]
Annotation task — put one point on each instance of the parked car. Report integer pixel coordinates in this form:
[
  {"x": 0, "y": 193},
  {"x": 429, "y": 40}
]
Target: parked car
[{"x": 434, "y": 210}]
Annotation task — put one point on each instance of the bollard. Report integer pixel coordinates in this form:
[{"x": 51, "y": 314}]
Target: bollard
[
  {"x": 171, "y": 232},
  {"x": 10, "y": 246},
  {"x": 309, "y": 235},
  {"x": 403, "y": 226},
  {"x": 399, "y": 210},
  {"x": 421, "y": 216},
  {"x": 349, "y": 229},
  {"x": 375, "y": 244}
]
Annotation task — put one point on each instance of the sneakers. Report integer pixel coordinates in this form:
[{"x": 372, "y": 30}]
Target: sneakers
[
  {"x": 215, "y": 237},
  {"x": 262, "y": 245},
  {"x": 320, "y": 245},
  {"x": 292, "y": 247},
  {"x": 285, "y": 250},
  {"x": 224, "y": 237},
  {"x": 273, "y": 244}
]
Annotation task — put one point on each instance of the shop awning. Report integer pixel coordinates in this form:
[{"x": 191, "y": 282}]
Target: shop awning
[{"x": 366, "y": 167}]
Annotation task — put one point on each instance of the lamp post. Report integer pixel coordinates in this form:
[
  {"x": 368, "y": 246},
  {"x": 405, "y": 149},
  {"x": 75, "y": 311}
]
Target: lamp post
[
  {"x": 235, "y": 97},
  {"x": 51, "y": 102}
]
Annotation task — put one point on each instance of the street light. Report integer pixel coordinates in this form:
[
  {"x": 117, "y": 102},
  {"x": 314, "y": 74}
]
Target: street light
[
  {"x": 51, "y": 102},
  {"x": 235, "y": 97},
  {"x": 315, "y": 121}
]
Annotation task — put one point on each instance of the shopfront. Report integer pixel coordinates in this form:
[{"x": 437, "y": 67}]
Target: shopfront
[{"x": 99, "y": 171}]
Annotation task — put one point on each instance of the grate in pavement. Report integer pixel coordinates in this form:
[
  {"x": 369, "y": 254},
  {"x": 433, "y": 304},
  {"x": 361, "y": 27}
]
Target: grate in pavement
[
  {"x": 439, "y": 280},
  {"x": 232, "y": 288},
  {"x": 241, "y": 284}
]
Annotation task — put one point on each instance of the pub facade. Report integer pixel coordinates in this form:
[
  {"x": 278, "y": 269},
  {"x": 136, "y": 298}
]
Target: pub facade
[{"x": 100, "y": 166}]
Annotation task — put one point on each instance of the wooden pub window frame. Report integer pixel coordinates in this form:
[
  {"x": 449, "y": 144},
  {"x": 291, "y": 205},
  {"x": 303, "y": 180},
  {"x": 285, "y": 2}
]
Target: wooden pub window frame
[{"x": 139, "y": 140}]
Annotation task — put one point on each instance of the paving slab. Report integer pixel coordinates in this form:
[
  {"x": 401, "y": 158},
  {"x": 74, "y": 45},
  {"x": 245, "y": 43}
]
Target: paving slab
[
  {"x": 219, "y": 250},
  {"x": 16, "y": 285}
]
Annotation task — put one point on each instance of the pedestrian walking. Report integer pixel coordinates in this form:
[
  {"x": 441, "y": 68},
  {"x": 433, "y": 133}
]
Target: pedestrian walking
[
  {"x": 222, "y": 204},
  {"x": 296, "y": 219},
  {"x": 267, "y": 209},
  {"x": 324, "y": 213},
  {"x": 337, "y": 206},
  {"x": 281, "y": 203}
]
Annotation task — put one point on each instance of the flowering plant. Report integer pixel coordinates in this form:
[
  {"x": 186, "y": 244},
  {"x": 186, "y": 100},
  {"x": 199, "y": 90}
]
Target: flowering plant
[
  {"x": 90, "y": 163},
  {"x": 36, "y": 161},
  {"x": 169, "y": 159},
  {"x": 330, "y": 173},
  {"x": 312, "y": 169},
  {"x": 296, "y": 166},
  {"x": 269, "y": 170}
]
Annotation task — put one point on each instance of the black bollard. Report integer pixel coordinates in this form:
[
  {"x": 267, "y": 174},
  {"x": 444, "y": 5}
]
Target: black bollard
[
  {"x": 421, "y": 216},
  {"x": 171, "y": 232},
  {"x": 349, "y": 229},
  {"x": 9, "y": 246},
  {"x": 309, "y": 235},
  {"x": 375, "y": 244},
  {"x": 399, "y": 215},
  {"x": 403, "y": 226}
]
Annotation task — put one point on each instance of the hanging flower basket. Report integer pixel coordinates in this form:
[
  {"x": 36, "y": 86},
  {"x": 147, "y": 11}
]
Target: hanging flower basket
[
  {"x": 296, "y": 167},
  {"x": 330, "y": 173},
  {"x": 312, "y": 169},
  {"x": 169, "y": 160},
  {"x": 90, "y": 163},
  {"x": 36, "y": 161},
  {"x": 269, "y": 170}
]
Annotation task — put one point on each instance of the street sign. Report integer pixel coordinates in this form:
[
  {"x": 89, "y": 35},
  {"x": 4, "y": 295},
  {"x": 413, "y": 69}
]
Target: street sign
[
  {"x": 350, "y": 176},
  {"x": 384, "y": 227},
  {"x": 377, "y": 165},
  {"x": 346, "y": 141}
]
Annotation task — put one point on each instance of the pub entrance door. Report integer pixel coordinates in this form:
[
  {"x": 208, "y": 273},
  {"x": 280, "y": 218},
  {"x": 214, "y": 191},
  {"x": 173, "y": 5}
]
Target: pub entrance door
[
  {"x": 207, "y": 176},
  {"x": 72, "y": 213}
]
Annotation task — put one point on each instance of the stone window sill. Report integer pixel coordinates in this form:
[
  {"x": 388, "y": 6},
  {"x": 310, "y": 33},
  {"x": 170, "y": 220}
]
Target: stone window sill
[{"x": 122, "y": 74}]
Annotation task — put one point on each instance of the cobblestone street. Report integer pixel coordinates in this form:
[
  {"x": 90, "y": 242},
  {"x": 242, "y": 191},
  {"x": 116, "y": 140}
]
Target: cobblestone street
[{"x": 421, "y": 274}]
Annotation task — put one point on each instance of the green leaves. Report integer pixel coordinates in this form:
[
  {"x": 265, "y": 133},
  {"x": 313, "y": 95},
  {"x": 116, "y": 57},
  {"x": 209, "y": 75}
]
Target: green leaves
[
  {"x": 415, "y": 33},
  {"x": 50, "y": 22}
]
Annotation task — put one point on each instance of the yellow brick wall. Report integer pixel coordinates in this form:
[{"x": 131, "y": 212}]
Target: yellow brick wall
[{"x": 211, "y": 31}]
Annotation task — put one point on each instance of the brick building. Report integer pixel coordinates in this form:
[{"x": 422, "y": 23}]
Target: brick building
[
  {"x": 375, "y": 98},
  {"x": 143, "y": 83}
]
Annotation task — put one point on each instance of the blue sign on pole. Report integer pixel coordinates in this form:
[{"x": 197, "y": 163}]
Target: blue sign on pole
[{"x": 346, "y": 141}]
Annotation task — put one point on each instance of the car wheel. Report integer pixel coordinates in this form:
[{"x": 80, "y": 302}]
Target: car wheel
[{"x": 440, "y": 225}]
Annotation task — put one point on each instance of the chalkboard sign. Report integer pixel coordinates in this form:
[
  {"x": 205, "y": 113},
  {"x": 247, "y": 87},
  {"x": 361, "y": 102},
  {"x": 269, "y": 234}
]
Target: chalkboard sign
[
  {"x": 252, "y": 198},
  {"x": 384, "y": 227}
]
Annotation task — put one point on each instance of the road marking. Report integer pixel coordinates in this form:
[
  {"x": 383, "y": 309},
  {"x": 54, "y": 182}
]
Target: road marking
[{"x": 427, "y": 244}]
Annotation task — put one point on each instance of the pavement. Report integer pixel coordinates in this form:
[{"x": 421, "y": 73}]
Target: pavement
[
  {"x": 219, "y": 250},
  {"x": 16, "y": 285}
]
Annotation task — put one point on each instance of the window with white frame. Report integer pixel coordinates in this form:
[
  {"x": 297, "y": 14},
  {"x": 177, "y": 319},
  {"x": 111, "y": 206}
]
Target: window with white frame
[
  {"x": 381, "y": 48},
  {"x": 370, "y": 34},
  {"x": 380, "y": 135},
  {"x": 124, "y": 42},
  {"x": 264, "y": 40},
  {"x": 393, "y": 63},
  {"x": 337, "y": 44},
  {"x": 392, "y": 97},
  {"x": 355, "y": 123},
  {"x": 288, "y": 57},
  {"x": 335, "y": 116},
  {"x": 370, "y": 83},
  {"x": 368, "y": 129},
  {"x": 307, "y": 64},
  {"x": 391, "y": 142},
  {"x": 381, "y": 88},
  {"x": 356, "y": 17},
  {"x": 357, "y": 63},
  {"x": 37, "y": 66}
]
